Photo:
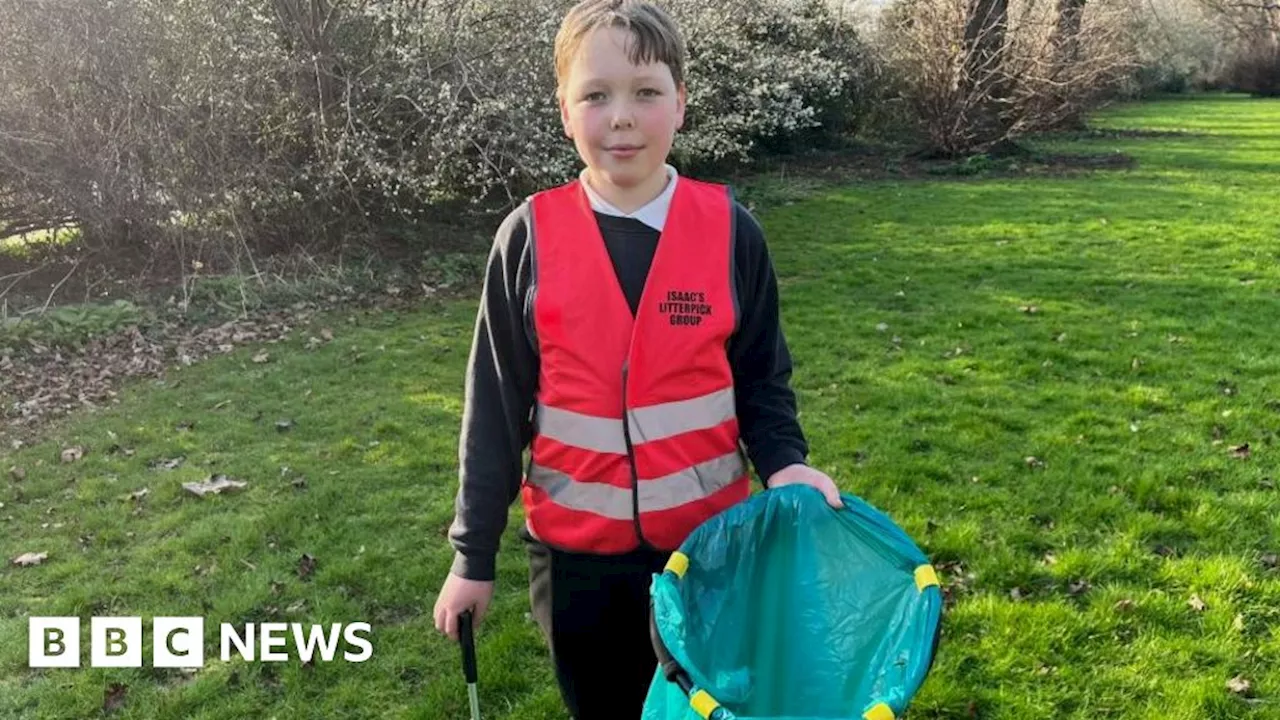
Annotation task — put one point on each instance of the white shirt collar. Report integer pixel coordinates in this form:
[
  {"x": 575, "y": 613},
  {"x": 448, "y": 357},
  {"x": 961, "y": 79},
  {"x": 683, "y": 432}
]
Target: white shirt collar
[{"x": 653, "y": 214}]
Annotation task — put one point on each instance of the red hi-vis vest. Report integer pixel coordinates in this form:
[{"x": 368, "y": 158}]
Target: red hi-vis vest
[{"x": 635, "y": 433}]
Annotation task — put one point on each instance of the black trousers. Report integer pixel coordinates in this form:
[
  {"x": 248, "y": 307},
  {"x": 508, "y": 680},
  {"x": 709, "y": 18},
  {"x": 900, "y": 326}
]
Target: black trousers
[{"x": 594, "y": 613}]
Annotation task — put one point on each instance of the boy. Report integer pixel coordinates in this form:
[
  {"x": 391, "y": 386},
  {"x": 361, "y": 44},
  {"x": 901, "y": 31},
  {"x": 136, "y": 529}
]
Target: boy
[{"x": 629, "y": 336}]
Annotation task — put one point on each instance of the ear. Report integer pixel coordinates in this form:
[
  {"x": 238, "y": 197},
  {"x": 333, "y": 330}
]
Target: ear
[
  {"x": 564, "y": 113},
  {"x": 681, "y": 99}
]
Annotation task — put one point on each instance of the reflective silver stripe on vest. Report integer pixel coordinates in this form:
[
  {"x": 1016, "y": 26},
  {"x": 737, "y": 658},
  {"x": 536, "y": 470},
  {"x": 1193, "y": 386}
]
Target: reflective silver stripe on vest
[
  {"x": 661, "y": 493},
  {"x": 583, "y": 431},
  {"x": 648, "y": 424},
  {"x": 669, "y": 419}
]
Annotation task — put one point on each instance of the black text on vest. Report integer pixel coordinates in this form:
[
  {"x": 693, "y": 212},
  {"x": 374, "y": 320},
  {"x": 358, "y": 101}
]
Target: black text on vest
[{"x": 685, "y": 307}]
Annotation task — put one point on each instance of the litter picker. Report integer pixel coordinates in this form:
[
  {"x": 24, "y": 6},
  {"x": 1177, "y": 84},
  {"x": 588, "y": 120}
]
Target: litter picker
[{"x": 466, "y": 638}]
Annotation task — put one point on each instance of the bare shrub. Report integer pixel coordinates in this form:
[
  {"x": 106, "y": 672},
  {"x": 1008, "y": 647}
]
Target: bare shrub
[
  {"x": 214, "y": 131},
  {"x": 978, "y": 74}
]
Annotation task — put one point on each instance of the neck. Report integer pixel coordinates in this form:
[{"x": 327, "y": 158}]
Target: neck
[{"x": 630, "y": 199}]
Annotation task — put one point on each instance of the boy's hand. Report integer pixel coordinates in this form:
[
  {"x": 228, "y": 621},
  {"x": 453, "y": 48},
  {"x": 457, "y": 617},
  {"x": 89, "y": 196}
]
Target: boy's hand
[
  {"x": 457, "y": 595},
  {"x": 801, "y": 474}
]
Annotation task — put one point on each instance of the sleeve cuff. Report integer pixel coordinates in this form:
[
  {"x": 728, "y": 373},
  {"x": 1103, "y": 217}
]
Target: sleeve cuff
[
  {"x": 767, "y": 465},
  {"x": 479, "y": 567}
]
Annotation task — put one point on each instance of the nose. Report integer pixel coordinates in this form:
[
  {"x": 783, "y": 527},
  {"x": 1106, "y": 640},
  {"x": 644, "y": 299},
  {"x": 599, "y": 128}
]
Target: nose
[{"x": 622, "y": 117}]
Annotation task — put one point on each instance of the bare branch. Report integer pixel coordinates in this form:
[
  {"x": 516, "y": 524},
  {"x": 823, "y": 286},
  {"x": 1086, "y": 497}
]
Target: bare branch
[{"x": 57, "y": 287}]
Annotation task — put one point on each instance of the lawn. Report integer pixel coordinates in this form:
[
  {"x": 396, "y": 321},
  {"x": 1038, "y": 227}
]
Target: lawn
[
  {"x": 1067, "y": 389},
  {"x": 19, "y": 245}
]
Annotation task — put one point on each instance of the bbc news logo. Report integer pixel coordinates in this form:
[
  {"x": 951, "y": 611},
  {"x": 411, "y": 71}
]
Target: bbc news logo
[{"x": 178, "y": 642}]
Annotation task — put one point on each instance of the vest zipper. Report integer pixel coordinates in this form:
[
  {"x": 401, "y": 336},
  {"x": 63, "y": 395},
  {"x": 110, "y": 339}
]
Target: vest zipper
[{"x": 631, "y": 460}]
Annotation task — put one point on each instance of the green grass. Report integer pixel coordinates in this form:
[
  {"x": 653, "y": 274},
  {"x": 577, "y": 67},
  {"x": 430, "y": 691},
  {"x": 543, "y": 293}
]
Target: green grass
[
  {"x": 924, "y": 386},
  {"x": 22, "y": 245}
]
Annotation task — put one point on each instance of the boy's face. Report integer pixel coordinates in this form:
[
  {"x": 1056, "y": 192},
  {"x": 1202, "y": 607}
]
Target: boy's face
[{"x": 622, "y": 117}]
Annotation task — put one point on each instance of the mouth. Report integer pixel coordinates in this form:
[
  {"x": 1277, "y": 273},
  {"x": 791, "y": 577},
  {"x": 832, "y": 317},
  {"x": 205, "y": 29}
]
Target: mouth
[{"x": 624, "y": 150}]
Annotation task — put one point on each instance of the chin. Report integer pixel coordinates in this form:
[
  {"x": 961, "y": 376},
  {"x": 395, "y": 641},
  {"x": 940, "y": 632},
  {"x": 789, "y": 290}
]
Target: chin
[{"x": 628, "y": 176}]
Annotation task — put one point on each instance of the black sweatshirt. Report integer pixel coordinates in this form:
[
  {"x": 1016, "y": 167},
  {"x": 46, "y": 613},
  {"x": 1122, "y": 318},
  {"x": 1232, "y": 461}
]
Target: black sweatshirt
[{"x": 502, "y": 373}]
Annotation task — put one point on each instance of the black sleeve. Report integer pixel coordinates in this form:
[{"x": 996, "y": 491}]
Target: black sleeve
[
  {"x": 502, "y": 373},
  {"x": 761, "y": 361}
]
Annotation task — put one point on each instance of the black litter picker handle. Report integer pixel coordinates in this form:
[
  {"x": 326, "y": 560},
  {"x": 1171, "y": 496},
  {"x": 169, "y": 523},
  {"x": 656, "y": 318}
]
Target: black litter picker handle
[
  {"x": 670, "y": 668},
  {"x": 700, "y": 700},
  {"x": 466, "y": 638}
]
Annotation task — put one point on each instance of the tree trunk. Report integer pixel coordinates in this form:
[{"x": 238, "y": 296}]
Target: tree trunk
[
  {"x": 1066, "y": 42},
  {"x": 985, "y": 40},
  {"x": 1066, "y": 53},
  {"x": 984, "y": 36}
]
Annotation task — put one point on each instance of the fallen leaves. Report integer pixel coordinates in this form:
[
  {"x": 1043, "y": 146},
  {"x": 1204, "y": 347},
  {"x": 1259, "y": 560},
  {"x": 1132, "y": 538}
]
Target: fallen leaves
[
  {"x": 52, "y": 383},
  {"x": 1195, "y": 603},
  {"x": 306, "y": 566},
  {"x": 168, "y": 463},
  {"x": 17, "y": 473},
  {"x": 45, "y": 383},
  {"x": 1078, "y": 588},
  {"x": 216, "y": 484},
  {"x": 72, "y": 454},
  {"x": 1241, "y": 452},
  {"x": 1033, "y": 462},
  {"x": 262, "y": 357},
  {"x": 30, "y": 559},
  {"x": 114, "y": 697},
  {"x": 1239, "y": 685}
]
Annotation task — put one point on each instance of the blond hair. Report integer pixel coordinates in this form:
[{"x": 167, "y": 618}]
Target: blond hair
[{"x": 654, "y": 35}]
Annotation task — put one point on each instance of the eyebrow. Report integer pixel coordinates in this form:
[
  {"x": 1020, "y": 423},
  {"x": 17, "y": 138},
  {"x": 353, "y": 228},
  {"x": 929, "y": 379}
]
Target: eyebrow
[{"x": 646, "y": 79}]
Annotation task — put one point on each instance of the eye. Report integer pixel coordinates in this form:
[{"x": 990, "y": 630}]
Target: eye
[
  {"x": 650, "y": 92},
  {"x": 595, "y": 96}
]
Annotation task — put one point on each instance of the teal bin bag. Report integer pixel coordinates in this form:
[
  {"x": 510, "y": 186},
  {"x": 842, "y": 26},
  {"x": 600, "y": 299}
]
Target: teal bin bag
[{"x": 785, "y": 608}]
